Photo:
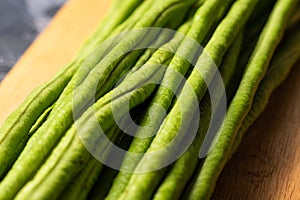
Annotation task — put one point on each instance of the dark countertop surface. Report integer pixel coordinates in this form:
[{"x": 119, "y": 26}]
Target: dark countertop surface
[{"x": 20, "y": 23}]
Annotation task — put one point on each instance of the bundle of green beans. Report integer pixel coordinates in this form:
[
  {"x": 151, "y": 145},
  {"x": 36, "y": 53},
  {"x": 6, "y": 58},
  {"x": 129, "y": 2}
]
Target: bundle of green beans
[{"x": 138, "y": 114}]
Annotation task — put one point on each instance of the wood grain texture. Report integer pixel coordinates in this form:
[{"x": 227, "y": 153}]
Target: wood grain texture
[{"x": 267, "y": 164}]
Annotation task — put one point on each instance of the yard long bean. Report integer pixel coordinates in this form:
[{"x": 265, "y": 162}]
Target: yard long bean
[
  {"x": 183, "y": 168},
  {"x": 44, "y": 96},
  {"x": 77, "y": 153},
  {"x": 202, "y": 22},
  {"x": 284, "y": 59},
  {"x": 242, "y": 100},
  {"x": 144, "y": 96},
  {"x": 141, "y": 185},
  {"x": 59, "y": 121}
]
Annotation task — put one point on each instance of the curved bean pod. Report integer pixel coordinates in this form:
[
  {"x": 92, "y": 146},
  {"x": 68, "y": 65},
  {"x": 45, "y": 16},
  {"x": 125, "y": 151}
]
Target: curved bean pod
[
  {"x": 284, "y": 59},
  {"x": 141, "y": 185},
  {"x": 242, "y": 100},
  {"x": 183, "y": 168}
]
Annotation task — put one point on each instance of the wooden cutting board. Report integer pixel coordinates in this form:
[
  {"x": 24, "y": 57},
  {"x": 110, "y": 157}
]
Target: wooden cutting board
[{"x": 267, "y": 164}]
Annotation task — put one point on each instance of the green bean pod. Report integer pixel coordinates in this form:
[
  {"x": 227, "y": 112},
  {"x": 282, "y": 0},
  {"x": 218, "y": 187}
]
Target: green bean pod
[
  {"x": 242, "y": 100},
  {"x": 126, "y": 63},
  {"x": 141, "y": 185},
  {"x": 80, "y": 186},
  {"x": 182, "y": 170},
  {"x": 61, "y": 117},
  {"x": 44, "y": 96},
  {"x": 119, "y": 12},
  {"x": 19, "y": 123},
  {"x": 92, "y": 170},
  {"x": 70, "y": 160},
  {"x": 201, "y": 23},
  {"x": 284, "y": 59},
  {"x": 77, "y": 154}
]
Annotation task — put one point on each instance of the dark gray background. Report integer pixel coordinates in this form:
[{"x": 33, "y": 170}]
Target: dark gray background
[{"x": 20, "y": 22}]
